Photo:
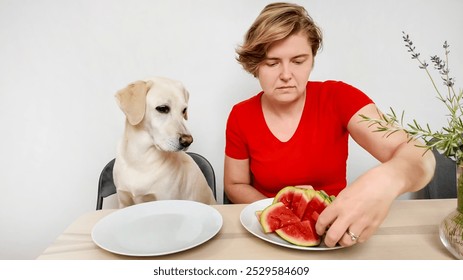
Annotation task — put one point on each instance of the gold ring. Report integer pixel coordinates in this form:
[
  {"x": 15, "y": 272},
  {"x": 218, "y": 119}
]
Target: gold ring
[{"x": 353, "y": 237}]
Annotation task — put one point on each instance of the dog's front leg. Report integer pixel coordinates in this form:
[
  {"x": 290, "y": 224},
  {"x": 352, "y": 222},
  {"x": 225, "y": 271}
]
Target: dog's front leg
[
  {"x": 144, "y": 198},
  {"x": 125, "y": 199}
]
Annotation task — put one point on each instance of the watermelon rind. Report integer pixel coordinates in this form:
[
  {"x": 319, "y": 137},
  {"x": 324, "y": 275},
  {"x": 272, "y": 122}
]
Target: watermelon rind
[{"x": 325, "y": 196}]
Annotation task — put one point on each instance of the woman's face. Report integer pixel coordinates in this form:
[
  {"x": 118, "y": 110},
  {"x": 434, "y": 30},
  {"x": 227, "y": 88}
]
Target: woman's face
[{"x": 284, "y": 73}]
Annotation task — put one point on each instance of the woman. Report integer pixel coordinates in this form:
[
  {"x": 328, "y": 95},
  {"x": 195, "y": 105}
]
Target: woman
[{"x": 296, "y": 132}]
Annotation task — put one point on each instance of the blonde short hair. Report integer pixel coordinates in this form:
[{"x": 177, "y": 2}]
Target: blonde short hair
[{"x": 277, "y": 21}]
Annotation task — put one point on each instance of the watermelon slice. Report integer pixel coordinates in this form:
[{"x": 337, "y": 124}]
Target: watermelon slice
[
  {"x": 258, "y": 213},
  {"x": 285, "y": 195},
  {"x": 317, "y": 204},
  {"x": 301, "y": 199},
  {"x": 293, "y": 215},
  {"x": 277, "y": 216},
  {"x": 302, "y": 234}
]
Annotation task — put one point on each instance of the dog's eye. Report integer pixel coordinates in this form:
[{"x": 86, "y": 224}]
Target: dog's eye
[
  {"x": 184, "y": 111},
  {"x": 163, "y": 109}
]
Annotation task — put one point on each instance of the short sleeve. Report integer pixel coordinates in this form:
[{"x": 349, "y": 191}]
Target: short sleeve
[
  {"x": 349, "y": 101},
  {"x": 235, "y": 145}
]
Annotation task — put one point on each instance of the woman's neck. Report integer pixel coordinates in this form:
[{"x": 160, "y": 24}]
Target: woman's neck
[{"x": 283, "y": 118}]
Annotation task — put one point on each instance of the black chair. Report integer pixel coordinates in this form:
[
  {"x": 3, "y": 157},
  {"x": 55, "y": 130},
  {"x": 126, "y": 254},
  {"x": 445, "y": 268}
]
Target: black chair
[
  {"x": 226, "y": 200},
  {"x": 443, "y": 184},
  {"x": 106, "y": 185}
]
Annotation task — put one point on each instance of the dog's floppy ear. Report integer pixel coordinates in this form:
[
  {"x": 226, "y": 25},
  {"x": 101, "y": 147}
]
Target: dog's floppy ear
[{"x": 132, "y": 100}]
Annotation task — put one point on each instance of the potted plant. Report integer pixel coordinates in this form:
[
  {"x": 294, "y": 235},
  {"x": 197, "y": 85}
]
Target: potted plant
[{"x": 447, "y": 141}]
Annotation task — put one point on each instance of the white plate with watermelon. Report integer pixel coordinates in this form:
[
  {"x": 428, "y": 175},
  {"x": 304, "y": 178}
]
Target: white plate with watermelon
[
  {"x": 250, "y": 221},
  {"x": 157, "y": 228}
]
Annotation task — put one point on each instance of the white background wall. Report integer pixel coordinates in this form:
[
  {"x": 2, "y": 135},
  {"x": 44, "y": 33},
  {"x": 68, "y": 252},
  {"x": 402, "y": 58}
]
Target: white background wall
[{"x": 62, "y": 61}]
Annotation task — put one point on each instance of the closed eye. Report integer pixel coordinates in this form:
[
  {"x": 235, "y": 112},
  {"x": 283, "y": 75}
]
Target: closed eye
[
  {"x": 299, "y": 61},
  {"x": 163, "y": 109},
  {"x": 271, "y": 62}
]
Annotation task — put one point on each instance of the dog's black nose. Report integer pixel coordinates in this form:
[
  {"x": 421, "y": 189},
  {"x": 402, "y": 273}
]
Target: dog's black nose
[{"x": 185, "y": 140}]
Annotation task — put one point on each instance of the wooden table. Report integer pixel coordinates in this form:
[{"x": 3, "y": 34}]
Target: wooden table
[{"x": 409, "y": 232}]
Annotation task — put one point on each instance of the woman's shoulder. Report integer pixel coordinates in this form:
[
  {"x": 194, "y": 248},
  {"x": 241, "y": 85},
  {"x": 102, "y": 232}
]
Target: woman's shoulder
[
  {"x": 246, "y": 113},
  {"x": 332, "y": 88},
  {"x": 328, "y": 84},
  {"x": 249, "y": 103},
  {"x": 337, "y": 91}
]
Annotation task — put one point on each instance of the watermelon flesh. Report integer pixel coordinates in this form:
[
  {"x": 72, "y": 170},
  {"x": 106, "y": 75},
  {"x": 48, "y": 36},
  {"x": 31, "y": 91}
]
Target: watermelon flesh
[
  {"x": 277, "y": 216},
  {"x": 301, "y": 233},
  {"x": 293, "y": 215},
  {"x": 316, "y": 205},
  {"x": 285, "y": 195}
]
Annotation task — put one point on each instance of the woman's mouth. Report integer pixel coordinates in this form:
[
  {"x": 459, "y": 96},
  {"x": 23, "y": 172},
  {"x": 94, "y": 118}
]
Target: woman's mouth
[{"x": 286, "y": 87}]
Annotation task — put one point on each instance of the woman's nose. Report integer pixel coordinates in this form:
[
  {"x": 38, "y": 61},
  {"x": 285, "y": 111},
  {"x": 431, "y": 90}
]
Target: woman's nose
[{"x": 285, "y": 73}]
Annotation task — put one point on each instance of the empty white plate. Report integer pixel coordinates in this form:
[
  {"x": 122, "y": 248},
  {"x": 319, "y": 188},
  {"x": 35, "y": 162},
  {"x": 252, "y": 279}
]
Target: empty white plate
[{"x": 157, "y": 228}]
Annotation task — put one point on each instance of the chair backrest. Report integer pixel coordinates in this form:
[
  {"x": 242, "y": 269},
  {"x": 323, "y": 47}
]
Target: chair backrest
[
  {"x": 206, "y": 169},
  {"x": 106, "y": 185},
  {"x": 226, "y": 200},
  {"x": 443, "y": 184}
]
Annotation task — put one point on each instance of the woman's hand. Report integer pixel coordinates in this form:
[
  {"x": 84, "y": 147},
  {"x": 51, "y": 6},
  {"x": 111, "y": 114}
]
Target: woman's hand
[{"x": 357, "y": 211}]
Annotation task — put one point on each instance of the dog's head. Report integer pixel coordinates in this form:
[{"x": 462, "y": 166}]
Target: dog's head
[{"x": 158, "y": 106}]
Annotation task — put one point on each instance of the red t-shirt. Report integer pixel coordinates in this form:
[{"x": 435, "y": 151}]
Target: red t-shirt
[{"x": 317, "y": 152}]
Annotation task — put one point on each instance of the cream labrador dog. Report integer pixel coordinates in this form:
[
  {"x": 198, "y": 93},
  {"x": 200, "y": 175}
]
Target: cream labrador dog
[{"x": 150, "y": 162}]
